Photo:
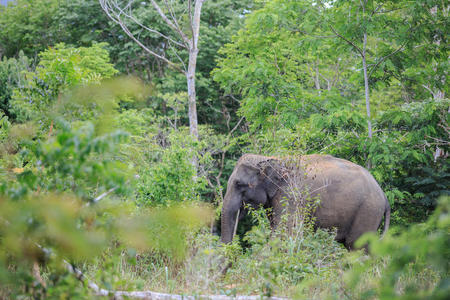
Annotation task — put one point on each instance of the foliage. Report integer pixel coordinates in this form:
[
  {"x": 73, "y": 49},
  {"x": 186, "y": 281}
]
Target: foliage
[
  {"x": 300, "y": 93},
  {"x": 52, "y": 206},
  {"x": 171, "y": 179},
  {"x": 275, "y": 262},
  {"x": 414, "y": 136},
  {"x": 83, "y": 22},
  {"x": 27, "y": 25},
  {"x": 11, "y": 76},
  {"x": 72, "y": 133},
  {"x": 59, "y": 69},
  {"x": 421, "y": 247}
]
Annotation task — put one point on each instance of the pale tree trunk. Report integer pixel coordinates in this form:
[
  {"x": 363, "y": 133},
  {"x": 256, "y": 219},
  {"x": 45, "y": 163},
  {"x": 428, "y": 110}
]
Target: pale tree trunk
[
  {"x": 363, "y": 54},
  {"x": 192, "y": 112},
  {"x": 366, "y": 85},
  {"x": 190, "y": 77},
  {"x": 119, "y": 12},
  {"x": 316, "y": 77},
  {"x": 190, "y": 74}
]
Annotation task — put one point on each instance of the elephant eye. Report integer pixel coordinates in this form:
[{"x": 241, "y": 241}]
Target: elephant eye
[{"x": 240, "y": 184}]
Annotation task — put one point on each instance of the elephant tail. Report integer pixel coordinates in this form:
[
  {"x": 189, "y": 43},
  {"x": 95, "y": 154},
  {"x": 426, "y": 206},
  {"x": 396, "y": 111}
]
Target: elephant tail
[{"x": 387, "y": 217}]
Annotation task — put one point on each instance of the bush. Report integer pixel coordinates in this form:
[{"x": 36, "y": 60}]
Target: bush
[
  {"x": 12, "y": 75},
  {"x": 417, "y": 264},
  {"x": 59, "y": 69},
  {"x": 276, "y": 262},
  {"x": 173, "y": 178}
]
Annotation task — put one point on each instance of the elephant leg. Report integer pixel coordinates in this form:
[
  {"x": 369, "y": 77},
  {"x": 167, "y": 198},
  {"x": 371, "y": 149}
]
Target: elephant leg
[
  {"x": 340, "y": 236},
  {"x": 367, "y": 219}
]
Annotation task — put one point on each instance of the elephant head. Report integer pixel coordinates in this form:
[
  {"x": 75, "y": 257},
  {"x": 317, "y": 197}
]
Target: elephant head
[{"x": 255, "y": 181}]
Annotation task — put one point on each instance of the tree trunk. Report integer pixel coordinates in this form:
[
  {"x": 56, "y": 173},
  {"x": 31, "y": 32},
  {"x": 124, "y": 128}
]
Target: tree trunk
[
  {"x": 316, "y": 77},
  {"x": 192, "y": 107},
  {"x": 190, "y": 75},
  {"x": 366, "y": 86},
  {"x": 116, "y": 13}
]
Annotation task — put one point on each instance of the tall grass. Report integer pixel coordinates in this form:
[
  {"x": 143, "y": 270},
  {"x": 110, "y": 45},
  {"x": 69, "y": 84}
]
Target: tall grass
[{"x": 299, "y": 263}]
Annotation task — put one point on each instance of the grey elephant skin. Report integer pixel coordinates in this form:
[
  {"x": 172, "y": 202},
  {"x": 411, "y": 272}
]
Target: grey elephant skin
[{"x": 349, "y": 198}]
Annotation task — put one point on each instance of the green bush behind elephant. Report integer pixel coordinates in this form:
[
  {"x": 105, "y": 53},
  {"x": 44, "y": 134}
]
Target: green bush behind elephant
[{"x": 347, "y": 196}]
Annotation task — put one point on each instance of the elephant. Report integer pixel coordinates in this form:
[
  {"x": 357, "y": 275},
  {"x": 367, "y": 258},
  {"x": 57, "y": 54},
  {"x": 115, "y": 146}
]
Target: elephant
[{"x": 349, "y": 198}]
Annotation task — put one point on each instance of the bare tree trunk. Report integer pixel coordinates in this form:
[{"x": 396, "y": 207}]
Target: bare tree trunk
[
  {"x": 366, "y": 85},
  {"x": 119, "y": 12},
  {"x": 192, "y": 112},
  {"x": 316, "y": 77},
  {"x": 190, "y": 75}
]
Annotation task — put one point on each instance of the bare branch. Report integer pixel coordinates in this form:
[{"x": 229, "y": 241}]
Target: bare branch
[
  {"x": 104, "y": 194},
  {"x": 170, "y": 23},
  {"x": 384, "y": 58},
  {"x": 190, "y": 17},
  {"x": 348, "y": 41},
  {"x": 236, "y": 126},
  {"x": 336, "y": 74},
  {"x": 389, "y": 11},
  {"x": 178, "y": 57},
  {"x": 376, "y": 9},
  {"x": 149, "y": 294},
  {"x": 156, "y": 32},
  {"x": 81, "y": 277},
  {"x": 232, "y": 97},
  {"x": 150, "y": 51},
  {"x": 106, "y": 6},
  {"x": 329, "y": 84},
  {"x": 172, "y": 14}
]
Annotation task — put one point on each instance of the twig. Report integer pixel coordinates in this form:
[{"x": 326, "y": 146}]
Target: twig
[
  {"x": 384, "y": 58},
  {"x": 104, "y": 194},
  {"x": 80, "y": 276},
  {"x": 348, "y": 41},
  {"x": 237, "y": 125},
  {"x": 170, "y": 24},
  {"x": 106, "y": 6}
]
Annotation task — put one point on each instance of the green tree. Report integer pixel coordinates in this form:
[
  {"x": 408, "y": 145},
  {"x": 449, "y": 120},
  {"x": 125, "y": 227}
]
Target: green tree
[
  {"x": 185, "y": 35},
  {"x": 27, "y": 25},
  {"x": 422, "y": 68},
  {"x": 59, "y": 69},
  {"x": 274, "y": 66},
  {"x": 84, "y": 23},
  {"x": 12, "y": 76},
  {"x": 280, "y": 65},
  {"x": 374, "y": 30}
]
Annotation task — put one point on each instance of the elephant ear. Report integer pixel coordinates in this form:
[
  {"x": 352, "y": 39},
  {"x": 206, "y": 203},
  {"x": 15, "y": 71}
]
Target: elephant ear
[{"x": 273, "y": 174}]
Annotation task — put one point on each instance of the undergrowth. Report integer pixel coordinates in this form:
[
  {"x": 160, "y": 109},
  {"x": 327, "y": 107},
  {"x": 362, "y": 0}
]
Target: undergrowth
[{"x": 302, "y": 264}]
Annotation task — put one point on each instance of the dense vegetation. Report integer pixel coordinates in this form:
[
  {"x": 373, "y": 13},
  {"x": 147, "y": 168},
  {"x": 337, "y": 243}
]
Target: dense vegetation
[{"x": 96, "y": 159}]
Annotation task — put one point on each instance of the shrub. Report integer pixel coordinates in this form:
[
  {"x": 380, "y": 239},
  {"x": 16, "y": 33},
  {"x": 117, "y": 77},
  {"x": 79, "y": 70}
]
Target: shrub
[
  {"x": 12, "y": 75},
  {"x": 276, "y": 262},
  {"x": 173, "y": 178},
  {"x": 417, "y": 264},
  {"x": 59, "y": 69}
]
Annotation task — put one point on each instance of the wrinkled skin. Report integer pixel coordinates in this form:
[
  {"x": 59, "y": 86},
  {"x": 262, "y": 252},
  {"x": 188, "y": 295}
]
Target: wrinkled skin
[{"x": 350, "y": 199}]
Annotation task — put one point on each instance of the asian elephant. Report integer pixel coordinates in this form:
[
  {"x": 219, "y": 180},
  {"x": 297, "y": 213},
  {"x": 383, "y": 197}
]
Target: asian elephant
[{"x": 350, "y": 199}]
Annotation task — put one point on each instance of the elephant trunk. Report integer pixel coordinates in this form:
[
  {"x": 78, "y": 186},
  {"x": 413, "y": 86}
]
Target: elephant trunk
[{"x": 231, "y": 206}]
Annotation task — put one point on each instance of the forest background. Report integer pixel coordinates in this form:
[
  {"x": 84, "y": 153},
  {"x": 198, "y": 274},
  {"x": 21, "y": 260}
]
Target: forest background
[{"x": 96, "y": 155}]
